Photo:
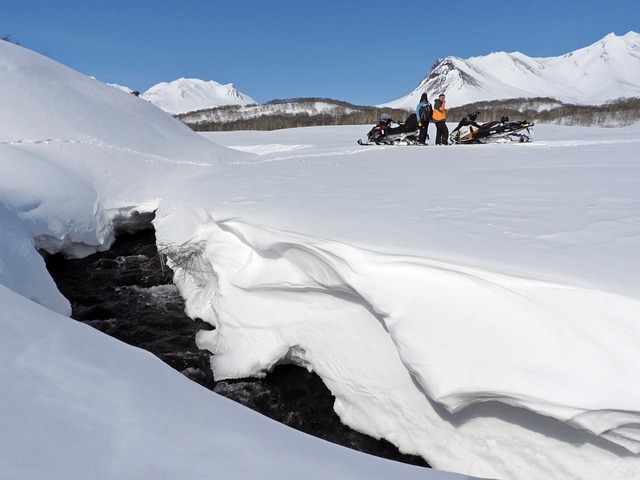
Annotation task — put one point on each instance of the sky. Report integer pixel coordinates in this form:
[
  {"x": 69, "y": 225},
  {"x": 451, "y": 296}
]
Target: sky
[{"x": 362, "y": 52}]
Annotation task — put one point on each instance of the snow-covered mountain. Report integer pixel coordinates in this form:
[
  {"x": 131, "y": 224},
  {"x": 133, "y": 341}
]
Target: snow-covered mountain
[
  {"x": 190, "y": 94},
  {"x": 607, "y": 70}
]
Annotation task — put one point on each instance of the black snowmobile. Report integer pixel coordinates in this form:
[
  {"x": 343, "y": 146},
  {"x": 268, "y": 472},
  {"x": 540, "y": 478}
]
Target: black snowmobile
[
  {"x": 399, "y": 134},
  {"x": 469, "y": 131}
]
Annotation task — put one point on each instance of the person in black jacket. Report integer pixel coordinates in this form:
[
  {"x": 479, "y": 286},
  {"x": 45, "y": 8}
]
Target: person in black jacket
[{"x": 423, "y": 114}]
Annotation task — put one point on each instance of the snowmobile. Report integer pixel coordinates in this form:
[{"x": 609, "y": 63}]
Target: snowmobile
[
  {"x": 469, "y": 131},
  {"x": 399, "y": 134}
]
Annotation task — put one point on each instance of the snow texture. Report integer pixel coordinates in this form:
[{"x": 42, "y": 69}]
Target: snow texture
[{"x": 476, "y": 305}]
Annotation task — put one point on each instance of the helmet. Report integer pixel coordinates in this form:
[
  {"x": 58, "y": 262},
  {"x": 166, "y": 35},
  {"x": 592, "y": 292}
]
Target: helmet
[
  {"x": 473, "y": 115},
  {"x": 385, "y": 118}
]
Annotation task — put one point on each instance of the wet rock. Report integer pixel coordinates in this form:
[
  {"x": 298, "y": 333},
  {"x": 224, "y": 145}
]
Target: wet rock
[{"x": 127, "y": 293}]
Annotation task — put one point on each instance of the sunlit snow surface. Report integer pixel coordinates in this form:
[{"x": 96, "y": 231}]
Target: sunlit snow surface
[
  {"x": 421, "y": 283},
  {"x": 477, "y": 305}
]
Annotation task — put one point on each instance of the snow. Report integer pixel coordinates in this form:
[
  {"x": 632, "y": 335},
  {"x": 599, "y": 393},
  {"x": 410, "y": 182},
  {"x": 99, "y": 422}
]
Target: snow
[
  {"x": 77, "y": 404},
  {"x": 190, "y": 94},
  {"x": 607, "y": 70},
  {"x": 476, "y": 305}
]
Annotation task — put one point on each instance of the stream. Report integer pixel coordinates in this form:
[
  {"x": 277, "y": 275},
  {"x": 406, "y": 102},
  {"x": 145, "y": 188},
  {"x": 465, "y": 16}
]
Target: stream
[{"x": 128, "y": 294}]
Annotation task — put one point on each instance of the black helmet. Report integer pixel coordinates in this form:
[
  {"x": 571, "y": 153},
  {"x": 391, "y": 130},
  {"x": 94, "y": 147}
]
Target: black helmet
[{"x": 472, "y": 116}]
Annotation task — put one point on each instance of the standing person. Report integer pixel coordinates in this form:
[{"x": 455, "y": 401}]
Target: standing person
[
  {"x": 440, "y": 119},
  {"x": 424, "y": 110}
]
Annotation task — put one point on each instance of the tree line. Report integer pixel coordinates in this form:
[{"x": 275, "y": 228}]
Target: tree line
[
  {"x": 615, "y": 113},
  {"x": 304, "y": 112},
  {"x": 290, "y": 113}
]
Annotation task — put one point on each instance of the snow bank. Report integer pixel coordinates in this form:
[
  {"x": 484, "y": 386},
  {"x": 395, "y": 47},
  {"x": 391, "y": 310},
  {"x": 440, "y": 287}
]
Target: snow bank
[
  {"x": 79, "y": 158},
  {"x": 77, "y": 404},
  {"x": 22, "y": 269},
  {"x": 391, "y": 335}
]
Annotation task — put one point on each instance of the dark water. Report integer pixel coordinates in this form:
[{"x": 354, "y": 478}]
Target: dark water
[{"x": 127, "y": 294}]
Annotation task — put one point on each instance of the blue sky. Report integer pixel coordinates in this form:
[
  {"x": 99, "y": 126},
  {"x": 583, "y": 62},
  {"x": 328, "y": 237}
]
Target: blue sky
[{"x": 363, "y": 52}]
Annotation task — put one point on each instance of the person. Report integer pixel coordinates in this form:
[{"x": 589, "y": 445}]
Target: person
[
  {"x": 440, "y": 119},
  {"x": 424, "y": 111}
]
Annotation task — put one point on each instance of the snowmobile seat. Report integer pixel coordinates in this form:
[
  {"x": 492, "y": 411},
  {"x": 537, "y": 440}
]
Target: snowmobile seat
[
  {"x": 411, "y": 123},
  {"x": 488, "y": 126}
]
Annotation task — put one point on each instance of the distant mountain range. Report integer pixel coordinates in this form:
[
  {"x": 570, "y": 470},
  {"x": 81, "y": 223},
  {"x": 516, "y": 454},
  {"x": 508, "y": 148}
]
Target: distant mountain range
[{"x": 607, "y": 70}]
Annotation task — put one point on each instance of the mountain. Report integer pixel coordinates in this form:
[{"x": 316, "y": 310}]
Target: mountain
[
  {"x": 191, "y": 94},
  {"x": 607, "y": 70}
]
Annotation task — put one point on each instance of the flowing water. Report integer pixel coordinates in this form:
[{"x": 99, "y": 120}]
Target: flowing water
[{"x": 128, "y": 294}]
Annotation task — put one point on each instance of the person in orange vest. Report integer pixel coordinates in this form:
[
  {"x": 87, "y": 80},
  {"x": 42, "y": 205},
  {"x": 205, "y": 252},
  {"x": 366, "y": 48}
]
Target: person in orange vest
[{"x": 440, "y": 120}]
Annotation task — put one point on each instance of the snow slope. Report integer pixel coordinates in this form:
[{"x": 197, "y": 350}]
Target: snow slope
[
  {"x": 607, "y": 70},
  {"x": 190, "y": 94},
  {"x": 476, "y": 305}
]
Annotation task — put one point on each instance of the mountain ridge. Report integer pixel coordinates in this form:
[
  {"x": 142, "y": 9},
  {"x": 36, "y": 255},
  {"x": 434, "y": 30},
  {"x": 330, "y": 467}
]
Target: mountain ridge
[
  {"x": 607, "y": 70},
  {"x": 592, "y": 77}
]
